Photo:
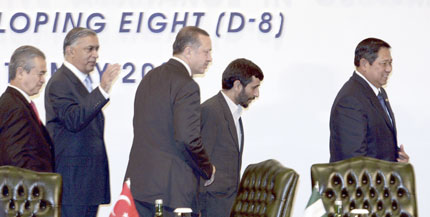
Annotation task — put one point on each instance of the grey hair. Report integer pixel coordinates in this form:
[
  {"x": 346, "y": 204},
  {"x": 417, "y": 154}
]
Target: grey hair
[
  {"x": 187, "y": 36},
  {"x": 75, "y": 34},
  {"x": 23, "y": 57}
]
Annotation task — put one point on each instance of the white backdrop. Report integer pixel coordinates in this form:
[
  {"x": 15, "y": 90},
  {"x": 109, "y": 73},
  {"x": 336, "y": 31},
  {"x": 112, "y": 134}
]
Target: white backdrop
[{"x": 304, "y": 67}]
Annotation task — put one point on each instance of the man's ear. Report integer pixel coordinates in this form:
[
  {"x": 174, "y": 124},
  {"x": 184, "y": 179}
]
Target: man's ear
[
  {"x": 237, "y": 85},
  {"x": 187, "y": 51},
  {"x": 364, "y": 62},
  {"x": 19, "y": 72},
  {"x": 69, "y": 50}
]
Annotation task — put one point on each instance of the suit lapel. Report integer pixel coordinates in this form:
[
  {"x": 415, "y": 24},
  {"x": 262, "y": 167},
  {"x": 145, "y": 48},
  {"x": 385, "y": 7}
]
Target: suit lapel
[
  {"x": 374, "y": 100},
  {"x": 27, "y": 105},
  {"x": 387, "y": 103},
  {"x": 229, "y": 119},
  {"x": 74, "y": 80},
  {"x": 24, "y": 102},
  {"x": 82, "y": 91}
]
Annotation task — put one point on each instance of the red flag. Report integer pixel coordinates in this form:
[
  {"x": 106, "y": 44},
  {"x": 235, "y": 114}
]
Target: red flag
[{"x": 125, "y": 206}]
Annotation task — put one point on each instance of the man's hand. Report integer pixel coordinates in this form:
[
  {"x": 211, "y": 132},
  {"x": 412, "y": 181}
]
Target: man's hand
[
  {"x": 109, "y": 76},
  {"x": 211, "y": 180},
  {"x": 403, "y": 157}
]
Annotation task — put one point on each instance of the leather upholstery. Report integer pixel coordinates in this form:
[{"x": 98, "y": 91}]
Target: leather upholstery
[
  {"x": 386, "y": 189},
  {"x": 266, "y": 189},
  {"x": 27, "y": 193}
]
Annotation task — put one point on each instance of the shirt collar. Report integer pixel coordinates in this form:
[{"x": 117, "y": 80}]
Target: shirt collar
[
  {"x": 81, "y": 76},
  {"x": 27, "y": 97},
  {"x": 236, "y": 110},
  {"x": 183, "y": 63},
  {"x": 375, "y": 89}
]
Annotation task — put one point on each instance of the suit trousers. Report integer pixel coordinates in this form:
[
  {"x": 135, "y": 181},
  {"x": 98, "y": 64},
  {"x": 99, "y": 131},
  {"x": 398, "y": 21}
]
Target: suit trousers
[
  {"x": 79, "y": 211},
  {"x": 215, "y": 205},
  {"x": 148, "y": 210}
]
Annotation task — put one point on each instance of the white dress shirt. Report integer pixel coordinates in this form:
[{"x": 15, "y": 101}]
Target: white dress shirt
[
  {"x": 81, "y": 76},
  {"x": 236, "y": 111},
  {"x": 185, "y": 64}
]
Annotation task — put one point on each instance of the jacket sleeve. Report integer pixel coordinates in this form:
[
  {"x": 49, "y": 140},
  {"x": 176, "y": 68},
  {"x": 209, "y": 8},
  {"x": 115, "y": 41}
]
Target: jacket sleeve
[
  {"x": 23, "y": 146},
  {"x": 349, "y": 129},
  {"x": 186, "y": 122},
  {"x": 75, "y": 114}
]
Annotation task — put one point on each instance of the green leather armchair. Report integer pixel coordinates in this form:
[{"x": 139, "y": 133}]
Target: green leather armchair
[
  {"x": 27, "y": 193},
  {"x": 385, "y": 189},
  {"x": 266, "y": 189}
]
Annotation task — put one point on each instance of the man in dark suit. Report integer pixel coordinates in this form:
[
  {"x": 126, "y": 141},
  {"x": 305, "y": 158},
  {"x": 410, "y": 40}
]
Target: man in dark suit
[
  {"x": 362, "y": 122},
  {"x": 24, "y": 141},
  {"x": 167, "y": 158},
  {"x": 222, "y": 134},
  {"x": 75, "y": 121}
]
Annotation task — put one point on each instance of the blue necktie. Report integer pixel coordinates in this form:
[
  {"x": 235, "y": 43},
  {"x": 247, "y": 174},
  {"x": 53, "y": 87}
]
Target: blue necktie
[
  {"x": 88, "y": 83},
  {"x": 384, "y": 106}
]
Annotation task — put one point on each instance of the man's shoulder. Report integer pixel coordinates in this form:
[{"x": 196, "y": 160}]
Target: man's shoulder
[
  {"x": 213, "y": 104},
  {"x": 11, "y": 104},
  {"x": 9, "y": 99}
]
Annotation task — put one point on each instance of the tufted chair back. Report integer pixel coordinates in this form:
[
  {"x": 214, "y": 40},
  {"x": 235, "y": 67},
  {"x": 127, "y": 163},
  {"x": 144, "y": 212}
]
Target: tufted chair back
[
  {"x": 27, "y": 193},
  {"x": 266, "y": 189},
  {"x": 385, "y": 189}
]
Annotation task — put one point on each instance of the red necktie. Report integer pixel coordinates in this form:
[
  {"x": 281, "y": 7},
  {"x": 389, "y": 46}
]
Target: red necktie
[{"x": 33, "y": 106}]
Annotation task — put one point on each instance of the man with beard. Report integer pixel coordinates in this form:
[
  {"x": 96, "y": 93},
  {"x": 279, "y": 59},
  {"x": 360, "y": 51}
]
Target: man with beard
[{"x": 222, "y": 134}]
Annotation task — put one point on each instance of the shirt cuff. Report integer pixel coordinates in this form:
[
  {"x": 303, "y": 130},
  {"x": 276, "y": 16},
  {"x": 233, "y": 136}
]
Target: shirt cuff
[{"x": 106, "y": 95}]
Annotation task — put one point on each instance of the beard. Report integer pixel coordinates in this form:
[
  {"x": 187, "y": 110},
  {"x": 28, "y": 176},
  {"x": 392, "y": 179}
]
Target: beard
[{"x": 243, "y": 99}]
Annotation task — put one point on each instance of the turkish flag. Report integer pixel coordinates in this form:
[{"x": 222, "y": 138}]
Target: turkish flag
[{"x": 125, "y": 206}]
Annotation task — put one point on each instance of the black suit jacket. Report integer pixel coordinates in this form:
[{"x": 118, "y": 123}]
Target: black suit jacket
[
  {"x": 75, "y": 121},
  {"x": 167, "y": 156},
  {"x": 24, "y": 142},
  {"x": 219, "y": 136},
  {"x": 359, "y": 126}
]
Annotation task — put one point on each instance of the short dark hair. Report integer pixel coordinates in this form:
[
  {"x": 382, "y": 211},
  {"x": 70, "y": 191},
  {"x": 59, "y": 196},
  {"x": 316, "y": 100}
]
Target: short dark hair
[
  {"x": 242, "y": 70},
  {"x": 187, "y": 36},
  {"x": 23, "y": 57},
  {"x": 368, "y": 49},
  {"x": 75, "y": 34}
]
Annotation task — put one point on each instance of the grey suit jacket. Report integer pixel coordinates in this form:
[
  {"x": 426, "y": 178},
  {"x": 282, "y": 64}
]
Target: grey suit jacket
[
  {"x": 359, "y": 126},
  {"x": 76, "y": 123},
  {"x": 220, "y": 139},
  {"x": 167, "y": 157}
]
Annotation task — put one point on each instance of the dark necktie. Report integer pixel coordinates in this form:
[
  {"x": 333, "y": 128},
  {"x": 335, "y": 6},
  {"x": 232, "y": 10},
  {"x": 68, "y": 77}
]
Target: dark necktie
[
  {"x": 384, "y": 106},
  {"x": 33, "y": 106},
  {"x": 242, "y": 136}
]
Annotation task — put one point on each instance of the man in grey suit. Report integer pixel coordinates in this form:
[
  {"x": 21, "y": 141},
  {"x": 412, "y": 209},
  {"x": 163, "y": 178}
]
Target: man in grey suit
[
  {"x": 222, "y": 134},
  {"x": 362, "y": 122},
  {"x": 167, "y": 157},
  {"x": 76, "y": 123}
]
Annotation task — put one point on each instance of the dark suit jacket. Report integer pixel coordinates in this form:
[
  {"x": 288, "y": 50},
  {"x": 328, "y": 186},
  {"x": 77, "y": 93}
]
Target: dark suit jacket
[
  {"x": 75, "y": 121},
  {"x": 24, "y": 142},
  {"x": 359, "y": 126},
  {"x": 220, "y": 140},
  {"x": 167, "y": 156}
]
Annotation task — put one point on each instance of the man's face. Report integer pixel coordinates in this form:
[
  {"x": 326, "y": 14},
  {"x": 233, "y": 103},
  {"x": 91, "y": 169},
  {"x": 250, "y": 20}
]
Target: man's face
[
  {"x": 378, "y": 72},
  {"x": 249, "y": 93},
  {"x": 84, "y": 53},
  {"x": 200, "y": 57},
  {"x": 33, "y": 80}
]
